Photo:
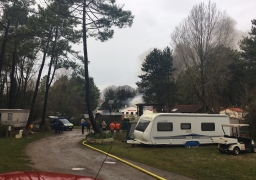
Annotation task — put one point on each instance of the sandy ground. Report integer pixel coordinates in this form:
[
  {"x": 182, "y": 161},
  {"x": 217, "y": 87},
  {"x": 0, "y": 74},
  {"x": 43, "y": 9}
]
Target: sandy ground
[{"x": 64, "y": 154}]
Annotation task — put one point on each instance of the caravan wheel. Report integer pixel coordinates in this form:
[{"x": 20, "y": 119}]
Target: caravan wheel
[{"x": 236, "y": 150}]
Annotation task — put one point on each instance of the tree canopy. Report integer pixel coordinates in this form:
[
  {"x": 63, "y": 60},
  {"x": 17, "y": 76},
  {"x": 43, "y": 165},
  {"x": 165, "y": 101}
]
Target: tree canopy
[
  {"x": 201, "y": 42},
  {"x": 247, "y": 45},
  {"x": 157, "y": 82}
]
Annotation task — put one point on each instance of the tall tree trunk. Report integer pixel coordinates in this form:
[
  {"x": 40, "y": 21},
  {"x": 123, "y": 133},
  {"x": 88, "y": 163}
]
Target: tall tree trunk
[
  {"x": 12, "y": 88},
  {"x": 2, "y": 52},
  {"x": 87, "y": 86},
  {"x": 18, "y": 93},
  {"x": 32, "y": 106},
  {"x": 22, "y": 85},
  {"x": 4, "y": 80},
  {"x": 48, "y": 83},
  {"x": 25, "y": 80},
  {"x": 24, "y": 90},
  {"x": 3, "y": 47}
]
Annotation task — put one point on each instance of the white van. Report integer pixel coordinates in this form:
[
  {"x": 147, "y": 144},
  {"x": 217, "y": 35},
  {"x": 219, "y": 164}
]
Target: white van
[{"x": 178, "y": 128}]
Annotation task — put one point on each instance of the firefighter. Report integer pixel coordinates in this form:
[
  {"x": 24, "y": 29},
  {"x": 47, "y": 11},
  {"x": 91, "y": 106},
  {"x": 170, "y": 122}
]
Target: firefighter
[
  {"x": 112, "y": 127},
  {"x": 118, "y": 127}
]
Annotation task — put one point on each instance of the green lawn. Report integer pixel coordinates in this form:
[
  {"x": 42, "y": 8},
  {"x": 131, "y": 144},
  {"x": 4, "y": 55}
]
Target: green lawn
[
  {"x": 204, "y": 162},
  {"x": 12, "y": 153}
]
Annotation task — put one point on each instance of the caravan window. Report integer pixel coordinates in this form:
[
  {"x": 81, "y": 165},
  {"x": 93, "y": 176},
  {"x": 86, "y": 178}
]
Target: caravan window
[
  {"x": 164, "y": 126},
  {"x": 185, "y": 125},
  {"x": 208, "y": 126},
  {"x": 9, "y": 116},
  {"x": 142, "y": 125}
]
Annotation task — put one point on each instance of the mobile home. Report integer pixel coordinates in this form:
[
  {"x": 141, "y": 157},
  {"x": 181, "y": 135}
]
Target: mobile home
[
  {"x": 178, "y": 128},
  {"x": 14, "y": 117}
]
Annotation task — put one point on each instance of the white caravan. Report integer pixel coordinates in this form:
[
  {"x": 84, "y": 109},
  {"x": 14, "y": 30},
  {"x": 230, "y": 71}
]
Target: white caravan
[
  {"x": 14, "y": 117},
  {"x": 178, "y": 129}
]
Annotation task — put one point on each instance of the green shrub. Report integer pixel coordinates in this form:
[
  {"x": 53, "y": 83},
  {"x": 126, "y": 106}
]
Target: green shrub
[{"x": 101, "y": 135}]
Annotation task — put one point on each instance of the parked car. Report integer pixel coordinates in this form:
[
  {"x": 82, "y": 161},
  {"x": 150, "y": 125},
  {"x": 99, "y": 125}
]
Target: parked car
[
  {"x": 240, "y": 139},
  {"x": 66, "y": 124}
]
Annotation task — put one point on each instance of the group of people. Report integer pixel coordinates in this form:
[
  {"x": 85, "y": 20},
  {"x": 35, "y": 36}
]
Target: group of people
[
  {"x": 86, "y": 124},
  {"x": 58, "y": 126},
  {"x": 113, "y": 127}
]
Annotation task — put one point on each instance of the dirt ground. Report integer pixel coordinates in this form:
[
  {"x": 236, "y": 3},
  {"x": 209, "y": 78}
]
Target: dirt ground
[{"x": 64, "y": 154}]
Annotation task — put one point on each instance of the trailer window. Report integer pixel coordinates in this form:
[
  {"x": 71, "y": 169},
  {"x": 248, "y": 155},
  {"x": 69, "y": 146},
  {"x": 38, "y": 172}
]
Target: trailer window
[
  {"x": 208, "y": 126},
  {"x": 9, "y": 117},
  {"x": 142, "y": 125},
  {"x": 185, "y": 125},
  {"x": 164, "y": 126}
]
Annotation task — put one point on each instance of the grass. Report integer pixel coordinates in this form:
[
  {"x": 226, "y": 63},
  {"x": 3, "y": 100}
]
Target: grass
[
  {"x": 12, "y": 152},
  {"x": 200, "y": 163},
  {"x": 204, "y": 162}
]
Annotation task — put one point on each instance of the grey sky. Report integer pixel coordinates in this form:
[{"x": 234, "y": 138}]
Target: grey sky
[{"x": 118, "y": 61}]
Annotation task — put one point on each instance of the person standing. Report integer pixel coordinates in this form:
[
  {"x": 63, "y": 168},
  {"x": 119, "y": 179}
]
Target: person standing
[
  {"x": 88, "y": 126},
  {"x": 118, "y": 127},
  {"x": 104, "y": 126},
  {"x": 60, "y": 126},
  {"x": 112, "y": 127},
  {"x": 56, "y": 126},
  {"x": 82, "y": 124}
]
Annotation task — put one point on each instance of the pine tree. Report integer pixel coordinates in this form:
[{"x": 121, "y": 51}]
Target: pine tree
[
  {"x": 248, "y": 47},
  {"x": 98, "y": 18},
  {"x": 157, "y": 83}
]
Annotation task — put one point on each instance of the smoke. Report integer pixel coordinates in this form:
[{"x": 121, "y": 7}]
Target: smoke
[
  {"x": 137, "y": 99},
  {"x": 239, "y": 35},
  {"x": 142, "y": 58}
]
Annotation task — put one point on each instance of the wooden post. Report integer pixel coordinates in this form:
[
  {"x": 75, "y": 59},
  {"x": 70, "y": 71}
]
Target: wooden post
[{"x": 9, "y": 132}]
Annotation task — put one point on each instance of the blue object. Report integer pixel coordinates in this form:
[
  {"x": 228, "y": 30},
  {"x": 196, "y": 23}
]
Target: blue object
[
  {"x": 190, "y": 144},
  {"x": 56, "y": 123}
]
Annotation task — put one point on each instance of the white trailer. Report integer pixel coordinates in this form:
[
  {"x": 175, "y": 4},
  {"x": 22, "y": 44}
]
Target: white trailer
[
  {"x": 178, "y": 128},
  {"x": 14, "y": 117}
]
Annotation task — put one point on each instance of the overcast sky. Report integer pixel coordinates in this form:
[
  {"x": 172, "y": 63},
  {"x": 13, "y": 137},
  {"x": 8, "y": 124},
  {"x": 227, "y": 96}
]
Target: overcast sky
[{"x": 118, "y": 61}]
